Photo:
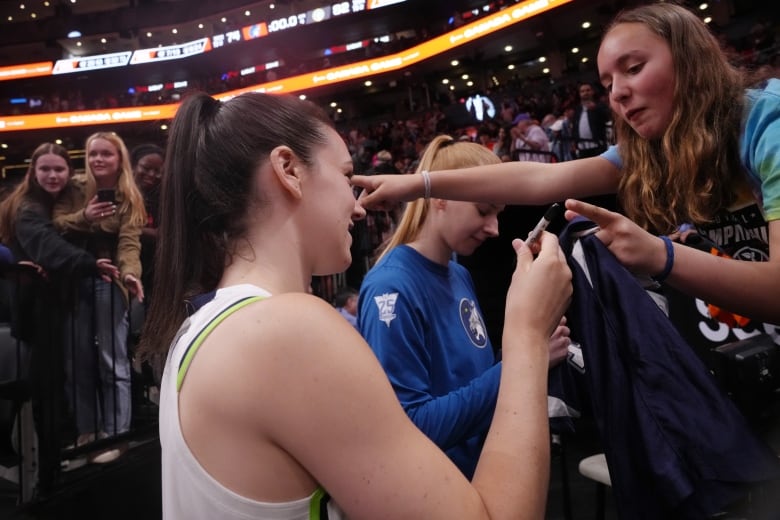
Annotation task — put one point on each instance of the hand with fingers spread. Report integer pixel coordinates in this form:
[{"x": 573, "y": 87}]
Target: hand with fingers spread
[
  {"x": 639, "y": 251},
  {"x": 96, "y": 210},
  {"x": 108, "y": 271},
  {"x": 135, "y": 287}
]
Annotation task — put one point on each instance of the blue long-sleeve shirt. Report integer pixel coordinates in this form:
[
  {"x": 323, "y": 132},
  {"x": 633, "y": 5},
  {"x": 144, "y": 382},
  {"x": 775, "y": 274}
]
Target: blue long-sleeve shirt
[{"x": 424, "y": 324}]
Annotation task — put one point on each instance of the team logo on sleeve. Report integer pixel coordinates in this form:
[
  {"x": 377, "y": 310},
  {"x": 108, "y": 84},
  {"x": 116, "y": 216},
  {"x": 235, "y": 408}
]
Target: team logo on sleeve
[
  {"x": 385, "y": 304},
  {"x": 472, "y": 322}
]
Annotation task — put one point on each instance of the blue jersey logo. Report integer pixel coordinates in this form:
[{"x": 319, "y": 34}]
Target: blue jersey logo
[
  {"x": 385, "y": 304},
  {"x": 472, "y": 322}
]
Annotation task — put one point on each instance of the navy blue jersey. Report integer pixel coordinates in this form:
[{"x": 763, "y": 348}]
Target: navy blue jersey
[{"x": 676, "y": 445}]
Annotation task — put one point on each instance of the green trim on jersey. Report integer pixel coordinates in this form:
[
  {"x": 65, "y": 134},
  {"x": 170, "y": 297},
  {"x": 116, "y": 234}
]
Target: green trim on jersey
[
  {"x": 193, "y": 347},
  {"x": 319, "y": 500},
  {"x": 317, "y": 505}
]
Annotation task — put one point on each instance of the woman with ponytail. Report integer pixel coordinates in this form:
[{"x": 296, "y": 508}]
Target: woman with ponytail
[
  {"x": 271, "y": 404},
  {"x": 418, "y": 311}
]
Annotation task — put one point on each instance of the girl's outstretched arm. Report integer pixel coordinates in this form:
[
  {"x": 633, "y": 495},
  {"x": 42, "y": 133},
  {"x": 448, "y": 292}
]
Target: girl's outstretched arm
[{"x": 519, "y": 182}]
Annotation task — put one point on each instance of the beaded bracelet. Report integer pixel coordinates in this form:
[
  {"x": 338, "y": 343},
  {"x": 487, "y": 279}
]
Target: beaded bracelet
[
  {"x": 426, "y": 184},
  {"x": 669, "y": 260}
]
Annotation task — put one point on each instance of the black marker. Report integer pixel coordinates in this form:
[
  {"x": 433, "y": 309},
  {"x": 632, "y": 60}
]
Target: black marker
[{"x": 551, "y": 213}]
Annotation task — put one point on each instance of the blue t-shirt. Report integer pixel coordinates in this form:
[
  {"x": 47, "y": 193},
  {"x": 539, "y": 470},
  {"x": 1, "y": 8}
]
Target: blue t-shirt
[{"x": 424, "y": 324}]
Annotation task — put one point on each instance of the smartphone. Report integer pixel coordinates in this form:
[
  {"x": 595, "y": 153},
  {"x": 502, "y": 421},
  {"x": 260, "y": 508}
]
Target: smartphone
[{"x": 106, "y": 195}]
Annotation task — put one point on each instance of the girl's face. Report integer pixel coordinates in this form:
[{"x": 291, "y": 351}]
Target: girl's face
[
  {"x": 637, "y": 69},
  {"x": 332, "y": 207},
  {"x": 148, "y": 171},
  {"x": 52, "y": 173},
  {"x": 103, "y": 160},
  {"x": 464, "y": 226}
]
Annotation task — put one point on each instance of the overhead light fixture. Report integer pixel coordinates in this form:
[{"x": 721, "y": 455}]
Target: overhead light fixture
[
  {"x": 575, "y": 50},
  {"x": 546, "y": 70},
  {"x": 74, "y": 34},
  {"x": 454, "y": 63},
  {"x": 703, "y": 6},
  {"x": 445, "y": 81},
  {"x": 585, "y": 25},
  {"x": 708, "y": 19},
  {"x": 542, "y": 59},
  {"x": 508, "y": 48}
]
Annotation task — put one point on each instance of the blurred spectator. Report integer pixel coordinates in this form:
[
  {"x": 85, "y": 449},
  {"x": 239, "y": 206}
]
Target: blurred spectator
[
  {"x": 529, "y": 138},
  {"x": 590, "y": 123},
  {"x": 346, "y": 301},
  {"x": 383, "y": 164},
  {"x": 109, "y": 226},
  {"x": 146, "y": 161}
]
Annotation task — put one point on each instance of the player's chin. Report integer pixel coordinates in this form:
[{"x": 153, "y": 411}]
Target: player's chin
[
  {"x": 468, "y": 249},
  {"x": 335, "y": 267}
]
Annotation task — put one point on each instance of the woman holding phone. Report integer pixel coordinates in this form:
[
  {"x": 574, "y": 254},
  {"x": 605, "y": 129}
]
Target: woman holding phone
[{"x": 104, "y": 214}]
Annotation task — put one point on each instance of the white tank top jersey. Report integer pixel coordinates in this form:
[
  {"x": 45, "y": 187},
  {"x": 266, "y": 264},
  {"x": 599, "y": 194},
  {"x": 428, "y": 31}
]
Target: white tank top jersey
[{"x": 188, "y": 491}]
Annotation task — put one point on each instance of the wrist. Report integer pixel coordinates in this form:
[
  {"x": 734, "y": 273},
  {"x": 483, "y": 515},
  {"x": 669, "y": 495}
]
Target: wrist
[
  {"x": 668, "y": 262},
  {"x": 426, "y": 184}
]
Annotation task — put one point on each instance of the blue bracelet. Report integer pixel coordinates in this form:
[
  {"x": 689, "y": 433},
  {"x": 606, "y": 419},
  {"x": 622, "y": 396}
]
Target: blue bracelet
[{"x": 669, "y": 260}]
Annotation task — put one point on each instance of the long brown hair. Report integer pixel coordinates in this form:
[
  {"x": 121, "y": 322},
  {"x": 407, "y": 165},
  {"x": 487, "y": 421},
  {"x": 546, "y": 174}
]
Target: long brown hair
[
  {"x": 29, "y": 191},
  {"x": 213, "y": 154},
  {"x": 442, "y": 153},
  {"x": 130, "y": 199},
  {"x": 694, "y": 169}
]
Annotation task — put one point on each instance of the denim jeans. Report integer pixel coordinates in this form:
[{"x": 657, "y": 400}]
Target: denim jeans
[{"x": 97, "y": 367}]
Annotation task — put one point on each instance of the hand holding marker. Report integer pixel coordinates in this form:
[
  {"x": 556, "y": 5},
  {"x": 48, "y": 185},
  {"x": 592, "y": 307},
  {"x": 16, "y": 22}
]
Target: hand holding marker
[{"x": 549, "y": 215}]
